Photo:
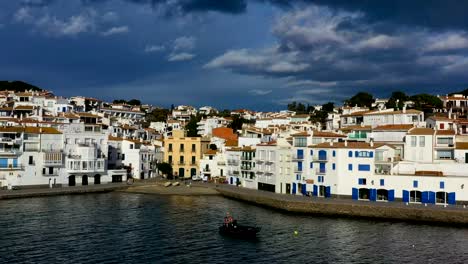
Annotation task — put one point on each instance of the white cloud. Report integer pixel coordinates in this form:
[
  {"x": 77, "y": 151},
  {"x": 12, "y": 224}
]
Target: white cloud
[
  {"x": 295, "y": 83},
  {"x": 23, "y": 15},
  {"x": 116, "y": 30},
  {"x": 448, "y": 41},
  {"x": 259, "y": 92},
  {"x": 236, "y": 58},
  {"x": 181, "y": 56},
  {"x": 285, "y": 66},
  {"x": 184, "y": 43},
  {"x": 381, "y": 42},
  {"x": 154, "y": 48},
  {"x": 73, "y": 26}
]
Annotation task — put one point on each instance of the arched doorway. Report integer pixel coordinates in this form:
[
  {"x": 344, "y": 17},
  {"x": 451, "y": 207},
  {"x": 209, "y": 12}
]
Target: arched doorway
[
  {"x": 97, "y": 179},
  {"x": 84, "y": 180},
  {"x": 193, "y": 172},
  {"x": 71, "y": 180}
]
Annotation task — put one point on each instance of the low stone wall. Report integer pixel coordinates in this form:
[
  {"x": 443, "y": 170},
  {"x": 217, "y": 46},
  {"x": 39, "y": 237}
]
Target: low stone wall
[
  {"x": 14, "y": 194},
  {"x": 358, "y": 210}
]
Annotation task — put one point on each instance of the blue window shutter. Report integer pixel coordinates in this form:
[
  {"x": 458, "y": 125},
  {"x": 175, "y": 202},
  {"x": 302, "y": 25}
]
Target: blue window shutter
[
  {"x": 382, "y": 182},
  {"x": 334, "y": 153},
  {"x": 311, "y": 152},
  {"x": 415, "y": 184},
  {"x": 333, "y": 166},
  {"x": 15, "y": 163},
  {"x": 300, "y": 153},
  {"x": 371, "y": 154},
  {"x": 350, "y": 154},
  {"x": 424, "y": 197},
  {"x": 314, "y": 190},
  {"x": 356, "y": 153},
  {"x": 359, "y": 181},
  {"x": 442, "y": 185},
  {"x": 3, "y": 163},
  {"x": 355, "y": 194},
  {"x": 391, "y": 195},
  {"x": 299, "y": 165},
  {"x": 327, "y": 192},
  {"x": 451, "y": 198},
  {"x": 405, "y": 196},
  {"x": 432, "y": 197},
  {"x": 350, "y": 167},
  {"x": 294, "y": 188}
]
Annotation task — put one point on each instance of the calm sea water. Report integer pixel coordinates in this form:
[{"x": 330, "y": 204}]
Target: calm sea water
[{"x": 133, "y": 228}]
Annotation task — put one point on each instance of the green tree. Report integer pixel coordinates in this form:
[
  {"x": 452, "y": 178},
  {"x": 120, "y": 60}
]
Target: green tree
[
  {"x": 361, "y": 99},
  {"x": 213, "y": 147},
  {"x": 192, "y": 126},
  {"x": 165, "y": 168},
  {"x": 158, "y": 115},
  {"x": 397, "y": 100},
  {"x": 134, "y": 102},
  {"x": 17, "y": 86},
  {"x": 328, "y": 107},
  {"x": 237, "y": 123},
  {"x": 119, "y": 101},
  {"x": 426, "y": 101}
]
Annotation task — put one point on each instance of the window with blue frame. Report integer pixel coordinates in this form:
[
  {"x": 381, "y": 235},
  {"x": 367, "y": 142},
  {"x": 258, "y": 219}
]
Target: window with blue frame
[
  {"x": 311, "y": 165},
  {"x": 363, "y": 167},
  {"x": 333, "y": 166},
  {"x": 415, "y": 184},
  {"x": 320, "y": 178},
  {"x": 364, "y": 154},
  {"x": 382, "y": 182},
  {"x": 362, "y": 181},
  {"x": 311, "y": 152},
  {"x": 350, "y": 154},
  {"x": 442, "y": 185},
  {"x": 334, "y": 153},
  {"x": 350, "y": 167}
]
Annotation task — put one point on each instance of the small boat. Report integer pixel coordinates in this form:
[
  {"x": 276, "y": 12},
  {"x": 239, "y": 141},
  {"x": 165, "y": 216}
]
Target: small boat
[{"x": 239, "y": 231}]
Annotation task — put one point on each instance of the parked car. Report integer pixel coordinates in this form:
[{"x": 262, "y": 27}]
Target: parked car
[{"x": 196, "y": 178}]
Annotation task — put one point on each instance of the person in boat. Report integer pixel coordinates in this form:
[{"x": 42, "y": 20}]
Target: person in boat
[{"x": 228, "y": 220}]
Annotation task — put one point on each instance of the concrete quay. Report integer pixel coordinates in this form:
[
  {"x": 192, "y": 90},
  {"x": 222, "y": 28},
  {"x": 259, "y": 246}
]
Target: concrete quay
[
  {"x": 430, "y": 214},
  {"x": 40, "y": 192}
]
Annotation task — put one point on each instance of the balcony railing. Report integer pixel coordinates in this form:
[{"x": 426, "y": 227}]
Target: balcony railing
[
  {"x": 246, "y": 167},
  {"x": 320, "y": 171},
  {"x": 234, "y": 172},
  {"x": 297, "y": 157},
  {"x": 298, "y": 169},
  {"x": 320, "y": 158},
  {"x": 12, "y": 167}
]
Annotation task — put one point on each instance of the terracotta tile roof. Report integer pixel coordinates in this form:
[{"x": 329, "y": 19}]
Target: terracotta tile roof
[
  {"x": 301, "y": 116},
  {"x": 231, "y": 143},
  {"x": 440, "y": 118},
  {"x": 30, "y": 130},
  {"x": 445, "y": 132},
  {"x": 349, "y": 145},
  {"x": 399, "y": 112},
  {"x": 24, "y": 107},
  {"x": 357, "y": 128},
  {"x": 327, "y": 134},
  {"x": 358, "y": 113},
  {"x": 23, "y": 94},
  {"x": 266, "y": 144},
  {"x": 210, "y": 152},
  {"x": 461, "y": 145},
  {"x": 421, "y": 131},
  {"x": 84, "y": 114},
  {"x": 224, "y": 133},
  {"x": 300, "y": 134},
  {"x": 393, "y": 128}
]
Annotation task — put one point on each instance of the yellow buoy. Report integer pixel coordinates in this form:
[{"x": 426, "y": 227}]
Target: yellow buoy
[{"x": 296, "y": 233}]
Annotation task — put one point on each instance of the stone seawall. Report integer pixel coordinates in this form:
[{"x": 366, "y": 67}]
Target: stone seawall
[
  {"x": 28, "y": 193},
  {"x": 352, "y": 209}
]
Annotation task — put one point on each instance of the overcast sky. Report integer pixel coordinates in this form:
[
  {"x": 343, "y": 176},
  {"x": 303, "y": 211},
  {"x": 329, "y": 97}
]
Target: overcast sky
[{"x": 258, "y": 54}]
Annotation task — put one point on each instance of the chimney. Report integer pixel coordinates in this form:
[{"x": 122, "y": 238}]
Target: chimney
[
  {"x": 331, "y": 143},
  {"x": 372, "y": 143},
  {"x": 346, "y": 143},
  {"x": 404, "y": 108}
]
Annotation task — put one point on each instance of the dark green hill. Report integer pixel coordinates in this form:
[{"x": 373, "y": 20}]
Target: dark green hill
[{"x": 17, "y": 86}]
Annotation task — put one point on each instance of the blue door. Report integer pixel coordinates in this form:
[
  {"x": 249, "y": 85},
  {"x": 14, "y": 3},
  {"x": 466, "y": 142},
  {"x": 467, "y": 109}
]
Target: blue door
[
  {"x": 315, "y": 190},
  {"x": 299, "y": 165},
  {"x": 294, "y": 189},
  {"x": 322, "y": 155},
  {"x": 405, "y": 196},
  {"x": 322, "y": 167},
  {"x": 231, "y": 180},
  {"x": 15, "y": 163},
  {"x": 391, "y": 195},
  {"x": 451, "y": 198},
  {"x": 300, "y": 153},
  {"x": 432, "y": 198},
  {"x": 304, "y": 189},
  {"x": 373, "y": 194},
  {"x": 327, "y": 192},
  {"x": 355, "y": 194}
]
